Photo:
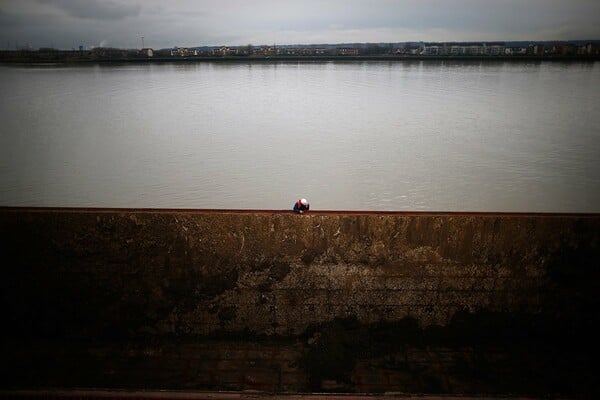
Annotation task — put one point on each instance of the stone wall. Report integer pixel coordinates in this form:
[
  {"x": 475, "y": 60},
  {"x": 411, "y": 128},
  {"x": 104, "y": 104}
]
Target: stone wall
[{"x": 270, "y": 300}]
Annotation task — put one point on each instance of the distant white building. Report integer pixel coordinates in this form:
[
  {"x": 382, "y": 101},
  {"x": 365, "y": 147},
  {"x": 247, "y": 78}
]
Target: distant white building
[
  {"x": 515, "y": 51},
  {"x": 182, "y": 52},
  {"x": 147, "y": 52}
]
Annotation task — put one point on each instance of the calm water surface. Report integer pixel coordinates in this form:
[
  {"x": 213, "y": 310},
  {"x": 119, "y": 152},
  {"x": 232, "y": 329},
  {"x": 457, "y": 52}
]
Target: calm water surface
[{"x": 372, "y": 136}]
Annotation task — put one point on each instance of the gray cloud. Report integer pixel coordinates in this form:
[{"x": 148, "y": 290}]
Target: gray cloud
[
  {"x": 95, "y": 9},
  {"x": 121, "y": 23}
]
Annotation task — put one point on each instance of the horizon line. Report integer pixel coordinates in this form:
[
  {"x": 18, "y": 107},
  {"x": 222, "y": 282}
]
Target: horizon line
[{"x": 28, "y": 47}]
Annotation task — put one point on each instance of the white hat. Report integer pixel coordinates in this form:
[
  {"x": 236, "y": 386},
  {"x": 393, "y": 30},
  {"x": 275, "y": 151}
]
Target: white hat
[{"x": 303, "y": 202}]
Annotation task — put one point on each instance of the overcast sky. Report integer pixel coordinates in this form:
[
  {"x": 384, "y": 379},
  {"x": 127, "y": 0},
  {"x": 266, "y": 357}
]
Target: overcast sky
[{"x": 167, "y": 23}]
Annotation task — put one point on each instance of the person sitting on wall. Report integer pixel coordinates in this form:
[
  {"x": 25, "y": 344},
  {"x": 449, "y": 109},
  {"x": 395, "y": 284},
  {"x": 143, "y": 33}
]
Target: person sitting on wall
[{"x": 301, "y": 205}]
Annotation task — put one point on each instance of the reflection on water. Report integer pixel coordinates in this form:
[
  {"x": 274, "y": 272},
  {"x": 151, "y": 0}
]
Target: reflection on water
[{"x": 373, "y": 135}]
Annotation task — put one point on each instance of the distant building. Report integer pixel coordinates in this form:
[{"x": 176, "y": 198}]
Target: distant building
[
  {"x": 538, "y": 50},
  {"x": 347, "y": 51},
  {"x": 474, "y": 50},
  {"x": 515, "y": 51},
  {"x": 496, "y": 50},
  {"x": 589, "y": 50},
  {"x": 592, "y": 49},
  {"x": 411, "y": 49},
  {"x": 582, "y": 50},
  {"x": 459, "y": 49},
  {"x": 183, "y": 52},
  {"x": 229, "y": 51},
  {"x": 433, "y": 50},
  {"x": 264, "y": 51},
  {"x": 147, "y": 52}
]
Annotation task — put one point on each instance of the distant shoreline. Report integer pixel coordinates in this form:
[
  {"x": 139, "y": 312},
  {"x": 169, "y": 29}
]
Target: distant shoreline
[{"x": 267, "y": 59}]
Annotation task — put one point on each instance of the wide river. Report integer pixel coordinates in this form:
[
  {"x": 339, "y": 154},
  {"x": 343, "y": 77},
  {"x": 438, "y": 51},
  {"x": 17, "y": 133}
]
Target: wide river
[{"x": 424, "y": 135}]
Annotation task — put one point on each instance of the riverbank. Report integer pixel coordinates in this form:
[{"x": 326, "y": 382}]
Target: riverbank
[{"x": 16, "y": 59}]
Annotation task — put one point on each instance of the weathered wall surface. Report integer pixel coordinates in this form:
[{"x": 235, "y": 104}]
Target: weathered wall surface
[{"x": 276, "y": 301}]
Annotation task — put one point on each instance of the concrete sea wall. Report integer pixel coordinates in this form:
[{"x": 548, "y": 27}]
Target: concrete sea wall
[{"x": 326, "y": 301}]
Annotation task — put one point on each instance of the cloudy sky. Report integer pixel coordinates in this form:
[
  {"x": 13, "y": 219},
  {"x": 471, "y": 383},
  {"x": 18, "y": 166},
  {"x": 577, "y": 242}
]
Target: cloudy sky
[{"x": 166, "y": 23}]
